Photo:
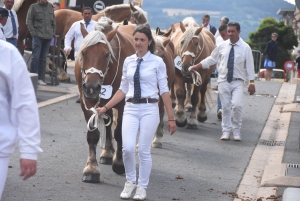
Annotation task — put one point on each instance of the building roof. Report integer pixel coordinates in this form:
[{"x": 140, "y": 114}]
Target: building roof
[{"x": 285, "y": 11}]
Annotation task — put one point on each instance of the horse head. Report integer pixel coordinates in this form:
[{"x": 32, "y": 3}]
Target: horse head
[
  {"x": 95, "y": 56},
  {"x": 189, "y": 47},
  {"x": 138, "y": 16}
]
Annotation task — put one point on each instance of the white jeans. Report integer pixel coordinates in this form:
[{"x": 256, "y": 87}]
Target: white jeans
[
  {"x": 3, "y": 173},
  {"x": 143, "y": 117},
  {"x": 231, "y": 95}
]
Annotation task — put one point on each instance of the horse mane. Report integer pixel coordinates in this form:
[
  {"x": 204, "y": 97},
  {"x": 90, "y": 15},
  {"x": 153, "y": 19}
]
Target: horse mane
[
  {"x": 141, "y": 12},
  {"x": 189, "y": 21},
  {"x": 17, "y": 5},
  {"x": 93, "y": 38},
  {"x": 104, "y": 22},
  {"x": 186, "y": 37}
]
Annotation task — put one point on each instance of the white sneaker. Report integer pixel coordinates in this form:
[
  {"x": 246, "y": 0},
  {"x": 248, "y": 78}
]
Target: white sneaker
[
  {"x": 140, "y": 194},
  {"x": 41, "y": 82},
  {"x": 225, "y": 136},
  {"x": 237, "y": 136},
  {"x": 219, "y": 114},
  {"x": 128, "y": 188}
]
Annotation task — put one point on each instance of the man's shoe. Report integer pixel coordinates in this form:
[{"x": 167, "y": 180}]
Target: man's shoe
[
  {"x": 41, "y": 82},
  {"x": 237, "y": 136},
  {"x": 225, "y": 136},
  {"x": 128, "y": 188},
  {"x": 140, "y": 194},
  {"x": 219, "y": 114}
]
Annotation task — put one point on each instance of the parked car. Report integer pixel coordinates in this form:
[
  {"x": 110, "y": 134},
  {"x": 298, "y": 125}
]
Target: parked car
[{"x": 278, "y": 75}]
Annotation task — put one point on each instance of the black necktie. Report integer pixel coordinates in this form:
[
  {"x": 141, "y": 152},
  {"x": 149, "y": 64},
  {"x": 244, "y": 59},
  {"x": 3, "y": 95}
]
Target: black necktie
[
  {"x": 2, "y": 30},
  {"x": 230, "y": 64},
  {"x": 136, "y": 79},
  {"x": 13, "y": 21}
]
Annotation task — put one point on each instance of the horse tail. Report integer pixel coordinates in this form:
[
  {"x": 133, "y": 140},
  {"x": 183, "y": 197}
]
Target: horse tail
[{"x": 208, "y": 98}]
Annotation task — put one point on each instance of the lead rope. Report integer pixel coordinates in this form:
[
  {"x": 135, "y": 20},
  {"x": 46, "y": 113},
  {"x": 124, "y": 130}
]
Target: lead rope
[{"x": 197, "y": 79}]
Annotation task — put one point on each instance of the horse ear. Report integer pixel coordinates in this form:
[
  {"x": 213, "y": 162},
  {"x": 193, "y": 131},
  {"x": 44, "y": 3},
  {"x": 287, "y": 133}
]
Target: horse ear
[
  {"x": 182, "y": 27},
  {"x": 132, "y": 8},
  {"x": 157, "y": 31},
  {"x": 168, "y": 33},
  {"x": 83, "y": 30},
  {"x": 125, "y": 22},
  {"x": 198, "y": 31},
  {"x": 111, "y": 34},
  {"x": 173, "y": 27},
  {"x": 165, "y": 43}
]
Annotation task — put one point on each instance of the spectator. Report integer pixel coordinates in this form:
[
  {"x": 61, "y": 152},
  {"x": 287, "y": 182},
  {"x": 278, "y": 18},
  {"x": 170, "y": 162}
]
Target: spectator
[
  {"x": 19, "y": 114},
  {"x": 3, "y": 20},
  {"x": 298, "y": 66},
  {"x": 271, "y": 54},
  {"x": 42, "y": 26},
  {"x": 236, "y": 67},
  {"x": 224, "y": 20},
  {"x": 206, "y": 25},
  {"x": 12, "y": 26},
  {"x": 223, "y": 37},
  {"x": 75, "y": 33},
  {"x": 56, "y": 6}
]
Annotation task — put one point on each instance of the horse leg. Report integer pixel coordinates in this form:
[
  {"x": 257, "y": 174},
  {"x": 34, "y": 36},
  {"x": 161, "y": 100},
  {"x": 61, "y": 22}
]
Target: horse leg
[
  {"x": 192, "y": 123},
  {"x": 173, "y": 98},
  {"x": 108, "y": 152},
  {"x": 180, "y": 117},
  {"x": 202, "y": 116},
  {"x": 156, "y": 143},
  {"x": 118, "y": 165},
  {"x": 91, "y": 173},
  {"x": 187, "y": 102}
]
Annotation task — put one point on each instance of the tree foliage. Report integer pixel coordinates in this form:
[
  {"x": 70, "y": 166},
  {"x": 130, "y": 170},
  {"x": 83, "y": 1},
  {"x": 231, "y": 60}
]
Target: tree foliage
[{"x": 286, "y": 40}]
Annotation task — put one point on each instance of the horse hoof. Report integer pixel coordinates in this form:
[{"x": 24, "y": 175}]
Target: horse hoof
[
  {"x": 192, "y": 127},
  {"x": 91, "y": 178},
  {"x": 173, "y": 105},
  {"x": 181, "y": 124},
  {"x": 106, "y": 161},
  {"x": 188, "y": 109},
  {"x": 157, "y": 145},
  {"x": 202, "y": 119},
  {"x": 118, "y": 169}
]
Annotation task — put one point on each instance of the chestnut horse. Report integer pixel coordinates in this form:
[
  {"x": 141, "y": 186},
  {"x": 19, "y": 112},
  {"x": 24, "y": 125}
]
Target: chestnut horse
[
  {"x": 192, "y": 44},
  {"x": 99, "y": 67}
]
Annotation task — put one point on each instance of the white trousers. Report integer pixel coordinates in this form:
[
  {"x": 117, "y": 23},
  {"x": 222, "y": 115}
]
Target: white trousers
[
  {"x": 143, "y": 117},
  {"x": 231, "y": 95},
  {"x": 3, "y": 173}
]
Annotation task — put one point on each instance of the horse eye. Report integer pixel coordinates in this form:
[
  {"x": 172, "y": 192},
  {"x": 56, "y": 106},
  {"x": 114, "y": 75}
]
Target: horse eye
[
  {"x": 182, "y": 42},
  {"x": 83, "y": 53},
  {"x": 196, "y": 44},
  {"x": 107, "y": 55}
]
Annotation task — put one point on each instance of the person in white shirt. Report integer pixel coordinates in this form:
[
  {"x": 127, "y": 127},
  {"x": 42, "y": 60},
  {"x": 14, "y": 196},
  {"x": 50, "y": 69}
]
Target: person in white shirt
[
  {"x": 207, "y": 25},
  {"x": 3, "y": 19},
  {"x": 224, "y": 20},
  {"x": 143, "y": 74},
  {"x": 220, "y": 39},
  {"x": 12, "y": 26},
  {"x": 236, "y": 67},
  {"x": 75, "y": 33},
  {"x": 19, "y": 114}
]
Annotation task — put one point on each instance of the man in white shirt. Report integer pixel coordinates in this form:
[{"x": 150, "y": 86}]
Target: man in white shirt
[
  {"x": 20, "y": 125},
  {"x": 3, "y": 20},
  {"x": 224, "y": 20},
  {"x": 75, "y": 33},
  {"x": 206, "y": 25},
  {"x": 236, "y": 67},
  {"x": 12, "y": 26}
]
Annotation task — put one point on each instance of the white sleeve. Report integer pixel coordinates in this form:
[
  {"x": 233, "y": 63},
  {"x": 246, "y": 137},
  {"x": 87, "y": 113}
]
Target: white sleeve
[
  {"x": 162, "y": 77},
  {"x": 24, "y": 109},
  {"x": 212, "y": 59},
  {"x": 124, "y": 86},
  {"x": 249, "y": 64},
  {"x": 17, "y": 24},
  {"x": 69, "y": 37}
]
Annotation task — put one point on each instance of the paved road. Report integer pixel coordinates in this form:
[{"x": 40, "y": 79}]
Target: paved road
[{"x": 209, "y": 169}]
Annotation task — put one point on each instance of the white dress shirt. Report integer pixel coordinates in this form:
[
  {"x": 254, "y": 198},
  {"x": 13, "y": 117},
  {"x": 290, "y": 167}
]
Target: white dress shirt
[
  {"x": 217, "y": 34},
  {"x": 19, "y": 119},
  {"x": 2, "y": 36},
  {"x": 74, "y": 32},
  {"x": 152, "y": 74},
  {"x": 243, "y": 60},
  {"x": 207, "y": 27},
  {"x": 8, "y": 28}
]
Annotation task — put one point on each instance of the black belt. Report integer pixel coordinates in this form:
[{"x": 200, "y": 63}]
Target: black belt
[
  {"x": 143, "y": 100},
  {"x": 237, "y": 79},
  {"x": 10, "y": 38}
]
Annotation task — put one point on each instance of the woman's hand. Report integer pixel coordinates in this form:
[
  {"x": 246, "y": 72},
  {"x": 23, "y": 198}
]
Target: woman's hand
[
  {"x": 172, "y": 127},
  {"x": 101, "y": 110}
]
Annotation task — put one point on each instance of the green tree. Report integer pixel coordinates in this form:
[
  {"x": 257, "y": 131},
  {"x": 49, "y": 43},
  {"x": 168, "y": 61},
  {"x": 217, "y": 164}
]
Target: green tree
[{"x": 286, "y": 40}]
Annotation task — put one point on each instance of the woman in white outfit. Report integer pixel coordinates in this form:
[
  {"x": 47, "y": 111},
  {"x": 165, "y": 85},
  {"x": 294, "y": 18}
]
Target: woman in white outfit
[{"x": 143, "y": 73}]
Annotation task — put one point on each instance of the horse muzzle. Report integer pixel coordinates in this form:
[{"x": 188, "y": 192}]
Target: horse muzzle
[
  {"x": 185, "y": 72},
  {"x": 91, "y": 91}
]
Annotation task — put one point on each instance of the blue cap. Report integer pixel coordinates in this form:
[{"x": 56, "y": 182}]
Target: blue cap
[{"x": 3, "y": 12}]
